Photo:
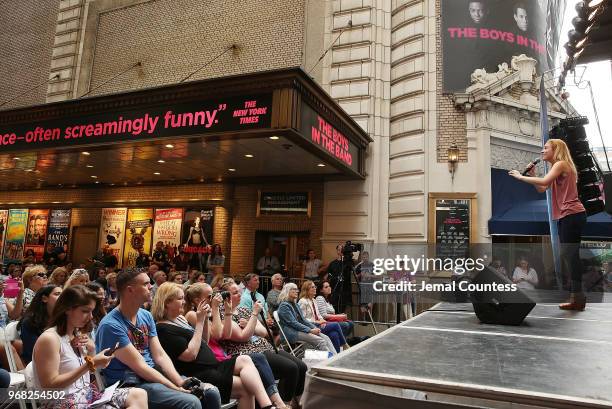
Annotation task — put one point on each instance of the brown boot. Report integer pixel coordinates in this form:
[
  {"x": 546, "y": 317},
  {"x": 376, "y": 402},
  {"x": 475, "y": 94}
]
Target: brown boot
[{"x": 577, "y": 302}]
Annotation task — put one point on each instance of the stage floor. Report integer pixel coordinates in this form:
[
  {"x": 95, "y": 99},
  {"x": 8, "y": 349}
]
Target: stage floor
[{"x": 556, "y": 358}]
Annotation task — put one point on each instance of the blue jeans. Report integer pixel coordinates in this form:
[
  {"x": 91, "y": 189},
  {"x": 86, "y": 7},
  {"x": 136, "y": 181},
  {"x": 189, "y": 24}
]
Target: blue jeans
[
  {"x": 160, "y": 397},
  {"x": 334, "y": 332},
  {"x": 347, "y": 328},
  {"x": 265, "y": 373}
]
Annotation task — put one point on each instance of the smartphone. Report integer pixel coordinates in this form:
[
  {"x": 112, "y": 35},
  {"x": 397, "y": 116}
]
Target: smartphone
[{"x": 112, "y": 350}]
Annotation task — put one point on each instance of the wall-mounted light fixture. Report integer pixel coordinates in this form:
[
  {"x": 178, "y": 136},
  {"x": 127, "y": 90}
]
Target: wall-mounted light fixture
[{"x": 452, "y": 155}]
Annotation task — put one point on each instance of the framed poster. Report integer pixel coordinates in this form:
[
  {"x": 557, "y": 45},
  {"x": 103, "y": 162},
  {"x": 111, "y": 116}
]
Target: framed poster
[
  {"x": 15, "y": 235},
  {"x": 288, "y": 203},
  {"x": 167, "y": 229},
  {"x": 112, "y": 224},
  {"x": 3, "y": 223},
  {"x": 138, "y": 235},
  {"x": 452, "y": 223},
  {"x": 36, "y": 235}
]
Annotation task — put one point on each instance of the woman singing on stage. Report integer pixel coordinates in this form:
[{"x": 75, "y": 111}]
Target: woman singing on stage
[{"x": 566, "y": 209}]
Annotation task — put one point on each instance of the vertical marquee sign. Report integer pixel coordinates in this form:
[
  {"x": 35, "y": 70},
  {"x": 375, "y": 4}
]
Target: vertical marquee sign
[{"x": 321, "y": 133}]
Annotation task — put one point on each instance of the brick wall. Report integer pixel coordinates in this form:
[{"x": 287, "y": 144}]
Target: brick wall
[
  {"x": 245, "y": 222},
  {"x": 26, "y": 38},
  {"x": 173, "y": 38},
  {"x": 451, "y": 123}
]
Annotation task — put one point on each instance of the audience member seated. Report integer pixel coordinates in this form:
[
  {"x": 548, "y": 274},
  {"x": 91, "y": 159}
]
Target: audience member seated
[
  {"x": 79, "y": 276},
  {"x": 199, "y": 277},
  {"x": 64, "y": 357},
  {"x": 188, "y": 347},
  {"x": 524, "y": 276},
  {"x": 295, "y": 327},
  {"x": 249, "y": 336},
  {"x": 223, "y": 330},
  {"x": 311, "y": 313},
  {"x": 4, "y": 319},
  {"x": 215, "y": 260},
  {"x": 100, "y": 311},
  {"x": 272, "y": 297},
  {"x": 496, "y": 265},
  {"x": 217, "y": 280},
  {"x": 158, "y": 278},
  {"x": 111, "y": 290},
  {"x": 327, "y": 310},
  {"x": 34, "y": 278},
  {"x": 251, "y": 284},
  {"x": 36, "y": 318},
  {"x": 13, "y": 271},
  {"x": 176, "y": 277},
  {"x": 59, "y": 276},
  {"x": 139, "y": 351}
]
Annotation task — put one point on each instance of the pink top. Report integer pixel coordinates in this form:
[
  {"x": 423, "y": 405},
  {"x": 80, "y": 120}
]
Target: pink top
[
  {"x": 565, "y": 196},
  {"x": 218, "y": 350}
]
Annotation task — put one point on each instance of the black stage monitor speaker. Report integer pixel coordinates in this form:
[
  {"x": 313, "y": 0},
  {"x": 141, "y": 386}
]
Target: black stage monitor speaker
[
  {"x": 499, "y": 307},
  {"x": 607, "y": 180}
]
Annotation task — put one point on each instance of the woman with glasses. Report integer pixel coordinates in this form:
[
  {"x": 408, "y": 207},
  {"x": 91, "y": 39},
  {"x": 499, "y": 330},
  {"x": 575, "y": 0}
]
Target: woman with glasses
[
  {"x": 64, "y": 356},
  {"x": 188, "y": 347},
  {"x": 311, "y": 313},
  {"x": 36, "y": 318},
  {"x": 297, "y": 328},
  {"x": 34, "y": 278}
]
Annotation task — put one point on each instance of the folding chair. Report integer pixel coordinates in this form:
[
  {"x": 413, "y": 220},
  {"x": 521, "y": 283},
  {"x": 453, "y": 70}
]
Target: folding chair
[
  {"x": 9, "y": 334},
  {"x": 31, "y": 382},
  {"x": 295, "y": 350},
  {"x": 233, "y": 403}
]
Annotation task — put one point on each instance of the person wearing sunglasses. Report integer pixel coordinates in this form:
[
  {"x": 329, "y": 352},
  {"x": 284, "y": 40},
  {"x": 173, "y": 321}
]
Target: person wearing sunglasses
[
  {"x": 34, "y": 278},
  {"x": 140, "y": 359}
]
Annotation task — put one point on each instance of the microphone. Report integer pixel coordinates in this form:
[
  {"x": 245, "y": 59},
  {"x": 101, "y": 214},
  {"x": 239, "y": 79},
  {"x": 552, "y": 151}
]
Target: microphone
[{"x": 531, "y": 165}]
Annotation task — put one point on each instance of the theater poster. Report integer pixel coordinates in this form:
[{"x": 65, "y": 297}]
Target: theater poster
[
  {"x": 167, "y": 229},
  {"x": 3, "y": 222},
  {"x": 138, "y": 234},
  {"x": 59, "y": 228},
  {"x": 487, "y": 33},
  {"x": 112, "y": 226},
  {"x": 15, "y": 235},
  {"x": 36, "y": 235}
]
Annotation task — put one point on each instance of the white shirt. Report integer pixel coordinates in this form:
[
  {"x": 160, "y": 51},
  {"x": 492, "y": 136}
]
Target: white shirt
[{"x": 530, "y": 279}]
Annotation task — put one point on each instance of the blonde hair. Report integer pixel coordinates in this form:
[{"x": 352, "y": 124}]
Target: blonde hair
[
  {"x": 305, "y": 287},
  {"x": 53, "y": 278},
  {"x": 79, "y": 272},
  {"x": 561, "y": 152},
  {"x": 192, "y": 292},
  {"x": 30, "y": 272},
  {"x": 165, "y": 293},
  {"x": 284, "y": 294},
  {"x": 109, "y": 276},
  {"x": 219, "y": 282}
]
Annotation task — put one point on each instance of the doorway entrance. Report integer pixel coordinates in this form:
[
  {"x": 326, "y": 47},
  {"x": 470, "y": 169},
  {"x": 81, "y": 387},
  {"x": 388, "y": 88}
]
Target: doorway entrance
[
  {"x": 288, "y": 247},
  {"x": 84, "y": 244}
]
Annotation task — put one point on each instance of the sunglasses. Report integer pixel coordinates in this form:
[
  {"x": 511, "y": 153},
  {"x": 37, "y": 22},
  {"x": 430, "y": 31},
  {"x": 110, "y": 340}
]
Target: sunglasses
[{"x": 42, "y": 275}]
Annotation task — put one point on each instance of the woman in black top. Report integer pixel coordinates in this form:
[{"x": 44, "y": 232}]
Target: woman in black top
[{"x": 189, "y": 350}]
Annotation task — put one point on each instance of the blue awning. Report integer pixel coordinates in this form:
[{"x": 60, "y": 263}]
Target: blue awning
[{"x": 518, "y": 209}]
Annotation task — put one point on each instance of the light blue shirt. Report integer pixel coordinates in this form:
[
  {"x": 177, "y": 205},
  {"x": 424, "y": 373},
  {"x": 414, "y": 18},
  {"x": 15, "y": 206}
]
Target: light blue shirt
[{"x": 247, "y": 302}]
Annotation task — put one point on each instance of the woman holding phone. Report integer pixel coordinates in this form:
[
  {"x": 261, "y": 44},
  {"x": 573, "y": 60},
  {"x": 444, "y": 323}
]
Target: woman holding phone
[
  {"x": 567, "y": 210},
  {"x": 64, "y": 357}
]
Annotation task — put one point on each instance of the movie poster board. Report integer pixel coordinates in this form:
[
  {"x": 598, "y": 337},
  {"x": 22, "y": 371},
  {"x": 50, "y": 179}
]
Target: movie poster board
[
  {"x": 167, "y": 229},
  {"x": 3, "y": 223},
  {"x": 36, "y": 234},
  {"x": 198, "y": 228},
  {"x": 138, "y": 235},
  {"x": 15, "y": 235},
  {"x": 113, "y": 224},
  {"x": 58, "y": 232}
]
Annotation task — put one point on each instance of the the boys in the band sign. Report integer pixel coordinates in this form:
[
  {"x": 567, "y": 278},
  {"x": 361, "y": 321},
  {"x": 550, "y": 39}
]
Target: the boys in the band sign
[{"x": 328, "y": 137}]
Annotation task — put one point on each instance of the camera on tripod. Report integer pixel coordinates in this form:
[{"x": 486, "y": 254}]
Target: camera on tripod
[{"x": 349, "y": 249}]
